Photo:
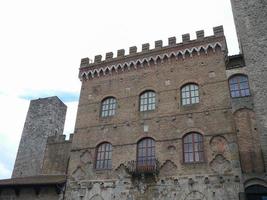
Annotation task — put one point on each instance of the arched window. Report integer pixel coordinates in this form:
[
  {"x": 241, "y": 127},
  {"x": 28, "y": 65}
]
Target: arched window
[
  {"x": 104, "y": 156},
  {"x": 108, "y": 107},
  {"x": 239, "y": 86},
  {"x": 193, "y": 148},
  {"x": 148, "y": 100},
  {"x": 146, "y": 153},
  {"x": 256, "y": 192},
  {"x": 190, "y": 94}
]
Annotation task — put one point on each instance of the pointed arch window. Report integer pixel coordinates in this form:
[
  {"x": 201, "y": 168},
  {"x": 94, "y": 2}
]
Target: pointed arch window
[
  {"x": 190, "y": 94},
  {"x": 148, "y": 101},
  {"x": 239, "y": 86},
  {"x": 103, "y": 156},
  {"x": 108, "y": 107},
  {"x": 146, "y": 153},
  {"x": 193, "y": 149}
]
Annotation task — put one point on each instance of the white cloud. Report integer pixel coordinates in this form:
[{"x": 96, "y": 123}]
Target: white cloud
[
  {"x": 4, "y": 171},
  {"x": 70, "y": 117},
  {"x": 13, "y": 114}
]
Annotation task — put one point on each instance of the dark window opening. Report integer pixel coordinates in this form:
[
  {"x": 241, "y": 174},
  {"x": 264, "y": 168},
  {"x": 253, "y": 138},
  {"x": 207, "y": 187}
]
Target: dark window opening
[{"x": 193, "y": 148}]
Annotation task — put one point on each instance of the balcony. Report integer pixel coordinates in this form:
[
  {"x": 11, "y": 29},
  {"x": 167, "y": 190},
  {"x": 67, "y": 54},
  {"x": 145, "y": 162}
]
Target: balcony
[{"x": 143, "y": 167}]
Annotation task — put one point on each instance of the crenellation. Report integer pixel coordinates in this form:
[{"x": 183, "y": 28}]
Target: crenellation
[
  {"x": 98, "y": 58},
  {"x": 85, "y": 62},
  {"x": 145, "y": 47},
  {"x": 186, "y": 37},
  {"x": 172, "y": 41},
  {"x": 218, "y": 31},
  {"x": 58, "y": 139},
  {"x": 132, "y": 50},
  {"x": 120, "y": 53},
  {"x": 96, "y": 70},
  {"x": 158, "y": 44},
  {"x": 200, "y": 34},
  {"x": 109, "y": 55}
]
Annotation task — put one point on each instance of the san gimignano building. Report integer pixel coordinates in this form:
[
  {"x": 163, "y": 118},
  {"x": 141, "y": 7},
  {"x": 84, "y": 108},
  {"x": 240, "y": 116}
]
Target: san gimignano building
[{"x": 184, "y": 121}]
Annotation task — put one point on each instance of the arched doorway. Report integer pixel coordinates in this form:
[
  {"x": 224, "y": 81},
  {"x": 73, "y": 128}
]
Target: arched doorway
[{"x": 256, "y": 192}]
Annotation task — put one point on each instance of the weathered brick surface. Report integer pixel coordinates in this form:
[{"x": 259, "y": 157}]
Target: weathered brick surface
[
  {"x": 56, "y": 156},
  {"x": 248, "y": 142},
  {"x": 250, "y": 19},
  {"x": 167, "y": 124},
  {"x": 232, "y": 129},
  {"x": 45, "y": 117}
]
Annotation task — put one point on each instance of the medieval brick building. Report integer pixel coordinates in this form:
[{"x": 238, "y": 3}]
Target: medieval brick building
[{"x": 178, "y": 122}]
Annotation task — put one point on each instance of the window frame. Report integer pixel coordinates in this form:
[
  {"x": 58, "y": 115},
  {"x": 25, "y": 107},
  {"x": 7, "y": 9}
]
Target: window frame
[
  {"x": 190, "y": 94},
  {"x": 148, "y": 101},
  {"x": 111, "y": 107},
  {"x": 194, "y": 149},
  {"x": 238, "y": 83},
  {"x": 105, "y": 157},
  {"x": 149, "y": 159}
]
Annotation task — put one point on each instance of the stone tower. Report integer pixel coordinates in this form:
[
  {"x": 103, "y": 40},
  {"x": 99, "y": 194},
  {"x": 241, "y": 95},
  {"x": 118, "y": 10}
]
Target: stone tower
[
  {"x": 45, "y": 117},
  {"x": 251, "y": 25}
]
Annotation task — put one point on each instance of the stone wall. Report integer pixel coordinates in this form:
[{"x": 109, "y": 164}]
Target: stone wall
[
  {"x": 246, "y": 127},
  {"x": 248, "y": 141},
  {"x": 31, "y": 193},
  {"x": 208, "y": 187},
  {"x": 219, "y": 174},
  {"x": 57, "y": 155},
  {"x": 250, "y": 19},
  {"x": 45, "y": 117}
]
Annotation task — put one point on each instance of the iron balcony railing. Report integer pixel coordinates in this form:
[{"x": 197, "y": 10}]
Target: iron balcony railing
[{"x": 149, "y": 166}]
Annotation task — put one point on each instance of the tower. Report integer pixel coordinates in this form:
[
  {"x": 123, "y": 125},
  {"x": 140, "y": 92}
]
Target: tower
[
  {"x": 250, "y": 20},
  {"x": 45, "y": 117},
  {"x": 156, "y": 124}
]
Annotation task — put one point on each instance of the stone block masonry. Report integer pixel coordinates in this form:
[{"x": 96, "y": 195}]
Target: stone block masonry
[
  {"x": 45, "y": 117},
  {"x": 250, "y": 19}
]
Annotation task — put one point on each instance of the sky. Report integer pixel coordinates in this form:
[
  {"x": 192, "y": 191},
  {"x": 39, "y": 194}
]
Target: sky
[{"x": 43, "y": 41}]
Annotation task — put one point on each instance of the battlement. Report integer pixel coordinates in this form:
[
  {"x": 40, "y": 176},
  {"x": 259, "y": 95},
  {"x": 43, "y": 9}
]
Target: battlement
[
  {"x": 123, "y": 62},
  {"x": 59, "y": 139}
]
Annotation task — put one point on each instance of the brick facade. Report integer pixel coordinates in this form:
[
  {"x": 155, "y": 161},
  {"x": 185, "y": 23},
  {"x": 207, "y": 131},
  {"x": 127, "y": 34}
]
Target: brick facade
[
  {"x": 165, "y": 71},
  {"x": 225, "y": 157}
]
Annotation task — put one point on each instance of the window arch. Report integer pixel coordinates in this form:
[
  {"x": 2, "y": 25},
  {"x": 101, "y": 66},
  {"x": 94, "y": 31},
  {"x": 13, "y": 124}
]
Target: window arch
[
  {"x": 146, "y": 153},
  {"x": 103, "y": 156},
  {"x": 256, "y": 192},
  {"x": 147, "y": 100},
  {"x": 190, "y": 94},
  {"x": 239, "y": 86},
  {"x": 108, "y": 107},
  {"x": 193, "y": 148}
]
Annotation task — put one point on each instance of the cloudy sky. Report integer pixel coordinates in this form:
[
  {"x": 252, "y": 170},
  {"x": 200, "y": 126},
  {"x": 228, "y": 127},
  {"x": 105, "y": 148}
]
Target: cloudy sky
[{"x": 42, "y": 42}]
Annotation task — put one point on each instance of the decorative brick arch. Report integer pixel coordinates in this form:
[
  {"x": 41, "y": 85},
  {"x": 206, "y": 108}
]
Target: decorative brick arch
[
  {"x": 189, "y": 130},
  {"x": 248, "y": 140},
  {"x": 89, "y": 72},
  {"x": 255, "y": 181}
]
